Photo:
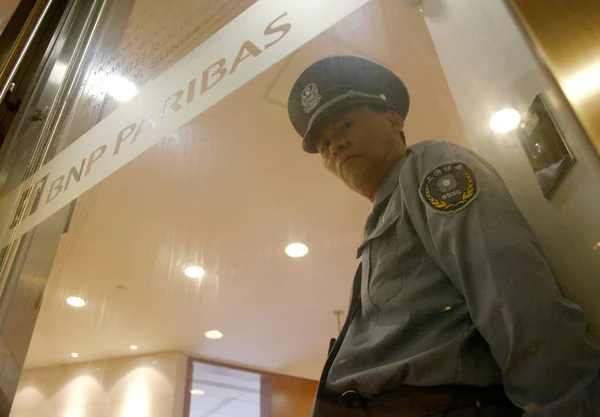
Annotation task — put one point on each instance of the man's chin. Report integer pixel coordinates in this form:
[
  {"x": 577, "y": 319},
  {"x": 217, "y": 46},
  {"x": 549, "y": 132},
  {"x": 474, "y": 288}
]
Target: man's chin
[{"x": 354, "y": 183}]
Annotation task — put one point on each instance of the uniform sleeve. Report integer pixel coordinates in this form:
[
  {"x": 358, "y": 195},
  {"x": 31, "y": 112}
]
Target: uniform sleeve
[{"x": 538, "y": 338}]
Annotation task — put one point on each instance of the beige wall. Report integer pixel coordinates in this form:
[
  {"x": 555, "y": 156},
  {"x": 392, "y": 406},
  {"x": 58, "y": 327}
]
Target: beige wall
[
  {"x": 489, "y": 66},
  {"x": 140, "y": 386}
]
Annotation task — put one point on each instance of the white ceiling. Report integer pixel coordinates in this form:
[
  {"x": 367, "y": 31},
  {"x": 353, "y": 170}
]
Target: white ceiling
[{"x": 230, "y": 193}]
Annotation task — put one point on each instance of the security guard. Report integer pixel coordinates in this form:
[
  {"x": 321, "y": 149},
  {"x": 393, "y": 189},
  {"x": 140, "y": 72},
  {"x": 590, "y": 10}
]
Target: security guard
[{"x": 454, "y": 309}]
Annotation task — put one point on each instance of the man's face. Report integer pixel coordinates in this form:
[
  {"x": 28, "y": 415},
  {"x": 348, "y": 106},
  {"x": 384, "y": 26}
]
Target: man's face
[{"x": 360, "y": 145}]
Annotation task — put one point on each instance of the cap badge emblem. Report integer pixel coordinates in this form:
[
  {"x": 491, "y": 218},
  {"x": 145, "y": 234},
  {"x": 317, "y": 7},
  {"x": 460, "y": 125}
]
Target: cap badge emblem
[{"x": 310, "y": 97}]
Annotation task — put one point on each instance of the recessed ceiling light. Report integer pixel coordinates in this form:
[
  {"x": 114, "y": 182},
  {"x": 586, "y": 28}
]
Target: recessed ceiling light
[
  {"x": 194, "y": 271},
  {"x": 213, "y": 334},
  {"x": 133, "y": 347},
  {"x": 505, "y": 120},
  {"x": 296, "y": 250},
  {"x": 197, "y": 391},
  {"x": 74, "y": 355},
  {"x": 75, "y": 302}
]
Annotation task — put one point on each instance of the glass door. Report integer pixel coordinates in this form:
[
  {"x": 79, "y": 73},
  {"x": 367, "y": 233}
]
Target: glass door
[{"x": 158, "y": 204}]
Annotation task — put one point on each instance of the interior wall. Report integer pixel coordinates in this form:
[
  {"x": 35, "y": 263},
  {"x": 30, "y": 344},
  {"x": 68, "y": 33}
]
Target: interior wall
[
  {"x": 291, "y": 396},
  {"x": 489, "y": 66},
  {"x": 570, "y": 47},
  {"x": 141, "y": 386}
]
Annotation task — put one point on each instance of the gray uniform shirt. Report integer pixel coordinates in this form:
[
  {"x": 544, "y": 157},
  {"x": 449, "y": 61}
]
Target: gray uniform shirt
[{"x": 462, "y": 297}]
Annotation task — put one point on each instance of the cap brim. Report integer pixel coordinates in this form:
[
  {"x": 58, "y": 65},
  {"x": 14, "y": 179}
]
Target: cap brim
[{"x": 308, "y": 144}]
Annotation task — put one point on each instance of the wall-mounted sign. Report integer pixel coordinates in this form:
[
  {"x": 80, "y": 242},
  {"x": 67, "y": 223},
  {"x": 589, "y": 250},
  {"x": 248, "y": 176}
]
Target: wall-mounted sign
[{"x": 544, "y": 145}]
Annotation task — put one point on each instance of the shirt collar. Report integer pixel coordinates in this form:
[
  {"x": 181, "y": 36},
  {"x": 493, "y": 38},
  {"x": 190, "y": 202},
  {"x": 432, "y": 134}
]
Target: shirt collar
[{"x": 389, "y": 184}]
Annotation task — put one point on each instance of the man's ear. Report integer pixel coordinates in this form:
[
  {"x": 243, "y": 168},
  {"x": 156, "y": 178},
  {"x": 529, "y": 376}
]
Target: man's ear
[{"x": 395, "y": 120}]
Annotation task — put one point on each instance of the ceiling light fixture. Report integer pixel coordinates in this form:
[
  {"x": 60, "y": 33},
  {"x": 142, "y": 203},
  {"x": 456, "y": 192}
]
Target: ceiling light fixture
[
  {"x": 197, "y": 391},
  {"x": 296, "y": 250},
  {"x": 505, "y": 120},
  {"x": 194, "y": 272},
  {"x": 74, "y": 355},
  {"x": 75, "y": 302},
  {"x": 133, "y": 347},
  {"x": 213, "y": 334}
]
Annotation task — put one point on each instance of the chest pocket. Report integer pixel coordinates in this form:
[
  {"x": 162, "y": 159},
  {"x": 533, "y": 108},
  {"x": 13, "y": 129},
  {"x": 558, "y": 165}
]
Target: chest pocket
[{"x": 381, "y": 274}]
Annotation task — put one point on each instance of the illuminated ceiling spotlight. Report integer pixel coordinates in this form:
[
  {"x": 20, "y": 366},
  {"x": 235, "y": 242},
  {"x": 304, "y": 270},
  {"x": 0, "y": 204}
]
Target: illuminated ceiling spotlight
[
  {"x": 194, "y": 272},
  {"x": 213, "y": 334},
  {"x": 505, "y": 120},
  {"x": 296, "y": 250},
  {"x": 76, "y": 302}
]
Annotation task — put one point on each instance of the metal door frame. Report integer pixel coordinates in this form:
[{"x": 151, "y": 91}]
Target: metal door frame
[{"x": 71, "y": 41}]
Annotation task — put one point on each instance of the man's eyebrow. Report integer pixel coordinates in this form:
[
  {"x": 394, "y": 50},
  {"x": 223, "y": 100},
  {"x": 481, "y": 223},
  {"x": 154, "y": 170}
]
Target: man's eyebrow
[{"x": 334, "y": 120}]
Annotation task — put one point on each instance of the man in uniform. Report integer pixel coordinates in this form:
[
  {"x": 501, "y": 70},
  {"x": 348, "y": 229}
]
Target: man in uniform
[{"x": 454, "y": 310}]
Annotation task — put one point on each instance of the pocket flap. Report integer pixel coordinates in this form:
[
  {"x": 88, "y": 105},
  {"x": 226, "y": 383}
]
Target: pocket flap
[{"x": 387, "y": 222}]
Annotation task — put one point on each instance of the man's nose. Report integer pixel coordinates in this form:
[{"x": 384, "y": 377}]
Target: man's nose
[{"x": 336, "y": 147}]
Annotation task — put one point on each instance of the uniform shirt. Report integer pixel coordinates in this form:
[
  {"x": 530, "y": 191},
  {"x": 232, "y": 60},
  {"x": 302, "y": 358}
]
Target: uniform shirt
[{"x": 462, "y": 297}]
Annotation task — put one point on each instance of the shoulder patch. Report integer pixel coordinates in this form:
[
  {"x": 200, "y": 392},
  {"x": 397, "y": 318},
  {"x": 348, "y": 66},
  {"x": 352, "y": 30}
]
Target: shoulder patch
[{"x": 449, "y": 188}]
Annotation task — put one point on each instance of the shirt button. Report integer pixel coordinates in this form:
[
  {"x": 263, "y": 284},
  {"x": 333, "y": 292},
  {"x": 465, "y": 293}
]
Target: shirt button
[{"x": 351, "y": 399}]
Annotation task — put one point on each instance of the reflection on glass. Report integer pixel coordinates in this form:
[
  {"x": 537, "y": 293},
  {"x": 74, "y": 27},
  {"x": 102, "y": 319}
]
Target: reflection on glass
[
  {"x": 58, "y": 72},
  {"x": 120, "y": 88}
]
